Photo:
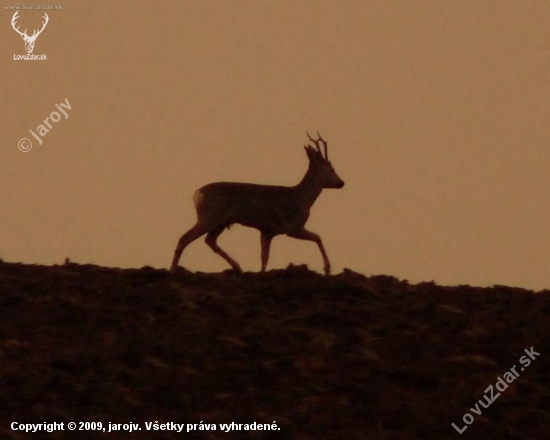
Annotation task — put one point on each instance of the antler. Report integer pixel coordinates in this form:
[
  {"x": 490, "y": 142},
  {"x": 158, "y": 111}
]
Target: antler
[
  {"x": 316, "y": 143},
  {"x": 13, "y": 19},
  {"x": 24, "y": 34},
  {"x": 44, "y": 23}
]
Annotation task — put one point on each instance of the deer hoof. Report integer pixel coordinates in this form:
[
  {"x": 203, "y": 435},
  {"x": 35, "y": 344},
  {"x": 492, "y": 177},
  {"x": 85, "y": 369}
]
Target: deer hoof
[{"x": 174, "y": 269}]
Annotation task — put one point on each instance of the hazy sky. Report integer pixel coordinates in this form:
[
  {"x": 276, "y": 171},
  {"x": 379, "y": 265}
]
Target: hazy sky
[{"x": 436, "y": 113}]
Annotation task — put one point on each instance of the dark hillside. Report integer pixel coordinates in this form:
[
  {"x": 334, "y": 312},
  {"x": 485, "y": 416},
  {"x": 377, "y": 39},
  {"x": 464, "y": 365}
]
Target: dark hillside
[{"x": 340, "y": 357}]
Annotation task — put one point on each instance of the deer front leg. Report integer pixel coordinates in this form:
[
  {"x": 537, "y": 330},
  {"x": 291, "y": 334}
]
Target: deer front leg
[
  {"x": 304, "y": 234},
  {"x": 265, "y": 240}
]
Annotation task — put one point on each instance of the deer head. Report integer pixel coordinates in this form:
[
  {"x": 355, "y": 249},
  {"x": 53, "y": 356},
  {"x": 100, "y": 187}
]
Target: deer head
[
  {"x": 320, "y": 165},
  {"x": 29, "y": 41}
]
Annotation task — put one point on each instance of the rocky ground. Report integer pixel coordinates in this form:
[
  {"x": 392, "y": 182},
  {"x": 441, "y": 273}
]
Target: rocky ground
[{"x": 339, "y": 357}]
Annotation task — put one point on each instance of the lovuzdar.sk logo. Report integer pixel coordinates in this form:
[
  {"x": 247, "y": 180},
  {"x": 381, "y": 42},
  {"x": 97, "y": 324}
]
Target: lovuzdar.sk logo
[{"x": 29, "y": 40}]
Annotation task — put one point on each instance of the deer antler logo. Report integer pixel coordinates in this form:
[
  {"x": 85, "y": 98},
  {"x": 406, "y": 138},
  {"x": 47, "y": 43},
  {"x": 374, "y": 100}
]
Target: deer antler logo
[{"x": 29, "y": 41}]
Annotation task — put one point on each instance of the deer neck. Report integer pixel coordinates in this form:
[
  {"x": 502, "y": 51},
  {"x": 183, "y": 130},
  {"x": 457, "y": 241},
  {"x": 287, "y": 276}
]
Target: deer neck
[{"x": 309, "y": 188}]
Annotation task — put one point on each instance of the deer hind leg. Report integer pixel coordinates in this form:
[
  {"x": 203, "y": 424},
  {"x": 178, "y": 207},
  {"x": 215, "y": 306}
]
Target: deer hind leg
[
  {"x": 304, "y": 234},
  {"x": 184, "y": 241},
  {"x": 266, "y": 244},
  {"x": 211, "y": 238}
]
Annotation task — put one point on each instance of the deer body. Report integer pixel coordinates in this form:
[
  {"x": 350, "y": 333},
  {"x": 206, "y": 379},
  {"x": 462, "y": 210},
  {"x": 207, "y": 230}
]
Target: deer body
[{"x": 273, "y": 210}]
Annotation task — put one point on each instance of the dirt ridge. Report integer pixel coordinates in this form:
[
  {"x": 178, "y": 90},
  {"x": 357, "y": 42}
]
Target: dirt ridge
[{"x": 344, "y": 356}]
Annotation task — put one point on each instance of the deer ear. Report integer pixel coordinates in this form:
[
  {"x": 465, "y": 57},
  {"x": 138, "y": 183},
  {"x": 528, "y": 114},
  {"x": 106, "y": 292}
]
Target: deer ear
[{"x": 311, "y": 153}]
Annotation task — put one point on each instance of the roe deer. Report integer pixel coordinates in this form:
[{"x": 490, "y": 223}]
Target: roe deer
[{"x": 273, "y": 210}]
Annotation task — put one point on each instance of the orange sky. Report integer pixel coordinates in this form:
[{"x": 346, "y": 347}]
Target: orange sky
[{"x": 436, "y": 115}]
